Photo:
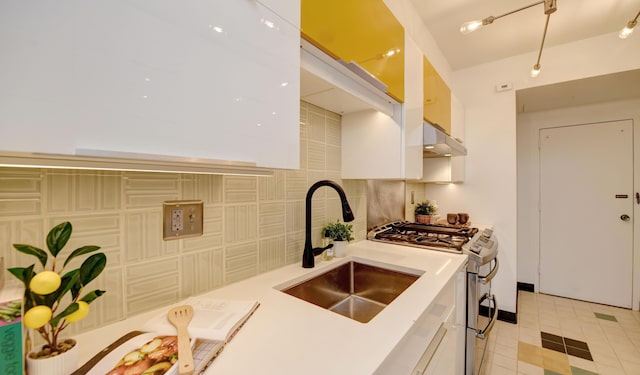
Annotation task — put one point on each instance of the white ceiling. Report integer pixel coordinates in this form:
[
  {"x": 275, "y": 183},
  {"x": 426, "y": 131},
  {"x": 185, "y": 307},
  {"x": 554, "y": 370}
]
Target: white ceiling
[{"x": 520, "y": 32}]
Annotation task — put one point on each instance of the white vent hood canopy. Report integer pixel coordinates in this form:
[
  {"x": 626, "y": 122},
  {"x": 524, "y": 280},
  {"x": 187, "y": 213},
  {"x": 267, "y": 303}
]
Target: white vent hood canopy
[
  {"x": 438, "y": 144},
  {"x": 340, "y": 87}
]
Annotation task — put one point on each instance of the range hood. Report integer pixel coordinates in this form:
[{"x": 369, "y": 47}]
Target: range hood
[
  {"x": 437, "y": 143},
  {"x": 339, "y": 86}
]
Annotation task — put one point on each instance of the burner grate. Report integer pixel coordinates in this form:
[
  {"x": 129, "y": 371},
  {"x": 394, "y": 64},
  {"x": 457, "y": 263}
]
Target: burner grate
[{"x": 424, "y": 235}]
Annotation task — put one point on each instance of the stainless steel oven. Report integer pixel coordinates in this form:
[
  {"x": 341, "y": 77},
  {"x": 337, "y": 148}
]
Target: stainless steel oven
[
  {"x": 481, "y": 247},
  {"x": 482, "y": 250}
]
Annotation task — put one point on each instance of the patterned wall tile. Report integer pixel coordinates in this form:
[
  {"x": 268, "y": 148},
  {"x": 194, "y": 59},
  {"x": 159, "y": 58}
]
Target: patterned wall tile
[
  {"x": 272, "y": 188},
  {"x": 201, "y": 272},
  {"x": 20, "y": 191},
  {"x": 30, "y": 232},
  {"x": 145, "y": 190},
  {"x": 143, "y": 237},
  {"x": 151, "y": 285},
  {"x": 271, "y": 219},
  {"x": 334, "y": 130},
  {"x": 295, "y": 216},
  {"x": 334, "y": 158},
  {"x": 271, "y": 254},
  {"x": 296, "y": 184},
  {"x": 316, "y": 155},
  {"x": 316, "y": 123},
  {"x": 295, "y": 247},
  {"x": 240, "y": 223},
  {"x": 212, "y": 235},
  {"x": 60, "y": 191},
  {"x": 238, "y": 189},
  {"x": 241, "y": 262},
  {"x": 100, "y": 230},
  {"x": 207, "y": 188},
  {"x": 72, "y": 190}
]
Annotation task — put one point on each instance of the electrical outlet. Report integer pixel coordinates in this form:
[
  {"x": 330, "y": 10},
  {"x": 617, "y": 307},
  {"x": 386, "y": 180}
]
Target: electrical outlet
[{"x": 182, "y": 219}]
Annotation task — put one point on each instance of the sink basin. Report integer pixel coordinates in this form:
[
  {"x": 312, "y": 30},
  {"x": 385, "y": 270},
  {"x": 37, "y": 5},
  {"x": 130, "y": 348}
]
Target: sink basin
[{"x": 356, "y": 290}]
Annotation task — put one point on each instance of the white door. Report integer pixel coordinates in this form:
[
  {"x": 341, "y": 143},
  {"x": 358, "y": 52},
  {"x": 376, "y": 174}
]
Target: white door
[{"x": 586, "y": 203}]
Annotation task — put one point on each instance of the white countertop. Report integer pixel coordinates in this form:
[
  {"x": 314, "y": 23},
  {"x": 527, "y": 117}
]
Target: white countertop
[{"x": 289, "y": 336}]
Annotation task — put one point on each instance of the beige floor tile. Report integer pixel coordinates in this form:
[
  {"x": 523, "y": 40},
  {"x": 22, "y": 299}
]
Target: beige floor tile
[
  {"x": 531, "y": 354},
  {"x": 608, "y": 370},
  {"x": 525, "y": 368},
  {"x": 582, "y": 363},
  {"x": 556, "y": 361},
  {"x": 631, "y": 367},
  {"x": 508, "y": 362},
  {"x": 529, "y": 332},
  {"x": 608, "y": 360},
  {"x": 499, "y": 370},
  {"x": 510, "y": 351}
]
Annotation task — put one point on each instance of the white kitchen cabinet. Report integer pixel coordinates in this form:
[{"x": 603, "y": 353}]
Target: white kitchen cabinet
[
  {"x": 382, "y": 146},
  {"x": 209, "y": 80},
  {"x": 448, "y": 169},
  {"x": 434, "y": 333},
  {"x": 287, "y": 9}
]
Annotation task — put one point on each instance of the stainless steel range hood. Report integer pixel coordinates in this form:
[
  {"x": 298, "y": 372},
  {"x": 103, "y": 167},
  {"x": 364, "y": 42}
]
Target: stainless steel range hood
[{"x": 437, "y": 143}]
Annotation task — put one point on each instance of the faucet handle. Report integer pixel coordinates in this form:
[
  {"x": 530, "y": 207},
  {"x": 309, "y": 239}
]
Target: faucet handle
[{"x": 320, "y": 250}]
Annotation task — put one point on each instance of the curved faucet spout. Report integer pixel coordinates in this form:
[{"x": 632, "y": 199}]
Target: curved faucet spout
[{"x": 309, "y": 252}]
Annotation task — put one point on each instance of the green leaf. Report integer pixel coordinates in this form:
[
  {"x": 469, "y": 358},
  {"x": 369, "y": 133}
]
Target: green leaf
[
  {"x": 18, "y": 272},
  {"x": 91, "y": 296},
  {"x": 69, "y": 310},
  {"x": 58, "y": 237},
  {"x": 68, "y": 281},
  {"x": 31, "y": 250},
  {"x": 91, "y": 268},
  {"x": 81, "y": 251}
]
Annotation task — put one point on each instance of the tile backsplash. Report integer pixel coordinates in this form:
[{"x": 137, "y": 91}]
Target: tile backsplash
[{"x": 251, "y": 224}]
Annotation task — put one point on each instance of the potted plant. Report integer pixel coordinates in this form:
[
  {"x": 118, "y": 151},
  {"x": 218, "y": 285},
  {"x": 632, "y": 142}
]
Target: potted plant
[
  {"x": 340, "y": 233},
  {"x": 425, "y": 211},
  {"x": 54, "y": 298}
]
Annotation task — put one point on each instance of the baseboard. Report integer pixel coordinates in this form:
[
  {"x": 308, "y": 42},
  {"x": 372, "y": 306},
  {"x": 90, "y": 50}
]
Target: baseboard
[
  {"x": 505, "y": 316},
  {"x": 526, "y": 287}
]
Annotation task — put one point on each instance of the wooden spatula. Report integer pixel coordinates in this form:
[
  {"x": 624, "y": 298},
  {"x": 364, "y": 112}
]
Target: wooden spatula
[{"x": 180, "y": 317}]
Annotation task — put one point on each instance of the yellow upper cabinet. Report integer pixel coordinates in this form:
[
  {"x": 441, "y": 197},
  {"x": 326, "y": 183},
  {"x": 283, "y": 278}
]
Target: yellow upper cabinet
[
  {"x": 437, "y": 98},
  {"x": 361, "y": 31}
]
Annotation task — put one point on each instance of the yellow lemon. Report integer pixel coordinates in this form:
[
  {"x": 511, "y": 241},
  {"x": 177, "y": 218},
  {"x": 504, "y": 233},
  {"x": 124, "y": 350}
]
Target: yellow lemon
[
  {"x": 37, "y": 316},
  {"x": 45, "y": 282},
  {"x": 81, "y": 313}
]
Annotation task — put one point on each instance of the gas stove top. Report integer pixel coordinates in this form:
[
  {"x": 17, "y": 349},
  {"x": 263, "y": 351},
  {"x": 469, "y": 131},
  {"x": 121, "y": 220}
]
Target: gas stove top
[{"x": 428, "y": 236}]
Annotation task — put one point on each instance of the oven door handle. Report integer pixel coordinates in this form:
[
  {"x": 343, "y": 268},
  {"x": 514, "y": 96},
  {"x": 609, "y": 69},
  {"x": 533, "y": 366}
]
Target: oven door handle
[
  {"x": 491, "y": 274},
  {"x": 482, "y": 333}
]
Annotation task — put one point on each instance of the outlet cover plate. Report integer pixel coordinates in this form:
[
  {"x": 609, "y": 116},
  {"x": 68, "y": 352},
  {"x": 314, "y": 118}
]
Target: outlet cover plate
[{"x": 182, "y": 219}]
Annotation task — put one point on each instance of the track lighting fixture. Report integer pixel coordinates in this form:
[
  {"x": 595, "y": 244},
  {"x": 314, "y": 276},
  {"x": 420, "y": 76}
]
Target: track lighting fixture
[
  {"x": 550, "y": 6},
  {"x": 628, "y": 29}
]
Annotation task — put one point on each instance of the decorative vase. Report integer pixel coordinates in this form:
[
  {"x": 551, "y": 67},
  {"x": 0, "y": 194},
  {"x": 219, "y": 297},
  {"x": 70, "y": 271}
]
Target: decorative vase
[
  {"x": 423, "y": 219},
  {"x": 339, "y": 249},
  {"x": 62, "y": 364}
]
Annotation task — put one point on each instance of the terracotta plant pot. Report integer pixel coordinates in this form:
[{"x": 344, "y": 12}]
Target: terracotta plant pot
[{"x": 423, "y": 219}]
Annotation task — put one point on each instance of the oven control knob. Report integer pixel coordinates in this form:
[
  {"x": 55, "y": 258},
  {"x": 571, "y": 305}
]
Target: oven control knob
[{"x": 476, "y": 248}]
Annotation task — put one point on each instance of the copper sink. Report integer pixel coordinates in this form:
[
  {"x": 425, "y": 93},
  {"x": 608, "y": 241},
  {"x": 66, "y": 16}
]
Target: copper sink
[{"x": 356, "y": 290}]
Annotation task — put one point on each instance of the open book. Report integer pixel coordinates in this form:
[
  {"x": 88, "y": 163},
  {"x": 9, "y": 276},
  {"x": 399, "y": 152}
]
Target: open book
[{"x": 155, "y": 350}]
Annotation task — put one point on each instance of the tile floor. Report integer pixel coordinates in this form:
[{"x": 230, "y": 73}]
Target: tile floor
[{"x": 563, "y": 336}]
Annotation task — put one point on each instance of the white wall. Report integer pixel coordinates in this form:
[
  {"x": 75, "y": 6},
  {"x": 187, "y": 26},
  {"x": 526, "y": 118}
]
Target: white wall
[
  {"x": 528, "y": 126},
  {"x": 489, "y": 193}
]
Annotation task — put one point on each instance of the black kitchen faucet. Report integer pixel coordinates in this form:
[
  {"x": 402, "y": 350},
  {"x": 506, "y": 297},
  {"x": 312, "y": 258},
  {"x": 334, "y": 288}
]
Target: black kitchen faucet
[{"x": 310, "y": 252}]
